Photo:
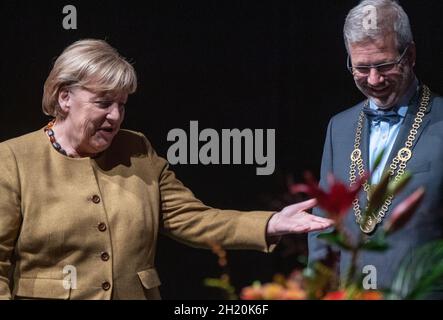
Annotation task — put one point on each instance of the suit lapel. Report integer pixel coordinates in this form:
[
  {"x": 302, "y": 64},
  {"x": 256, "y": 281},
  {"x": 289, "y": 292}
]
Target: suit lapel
[
  {"x": 364, "y": 147},
  {"x": 365, "y": 144},
  {"x": 407, "y": 126}
]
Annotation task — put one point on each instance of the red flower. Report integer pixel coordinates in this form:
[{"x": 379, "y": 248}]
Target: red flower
[
  {"x": 344, "y": 295},
  {"x": 403, "y": 212},
  {"x": 254, "y": 292},
  {"x": 371, "y": 295},
  {"x": 339, "y": 199},
  {"x": 335, "y": 295}
]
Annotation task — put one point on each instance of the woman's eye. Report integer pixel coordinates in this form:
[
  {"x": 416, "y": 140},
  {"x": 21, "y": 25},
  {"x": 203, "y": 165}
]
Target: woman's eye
[{"x": 103, "y": 104}]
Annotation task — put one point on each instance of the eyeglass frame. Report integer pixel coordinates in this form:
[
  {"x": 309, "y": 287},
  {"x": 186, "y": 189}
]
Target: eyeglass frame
[{"x": 376, "y": 66}]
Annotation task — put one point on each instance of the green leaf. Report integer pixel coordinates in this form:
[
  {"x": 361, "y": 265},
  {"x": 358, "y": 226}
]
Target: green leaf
[
  {"x": 319, "y": 278},
  {"x": 420, "y": 272},
  {"x": 395, "y": 187},
  {"x": 378, "y": 160},
  {"x": 378, "y": 193},
  {"x": 378, "y": 243},
  {"x": 227, "y": 289},
  {"x": 376, "y": 197},
  {"x": 336, "y": 238},
  {"x": 427, "y": 283}
]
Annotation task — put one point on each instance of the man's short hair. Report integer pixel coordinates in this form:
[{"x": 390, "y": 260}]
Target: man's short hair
[{"x": 390, "y": 18}]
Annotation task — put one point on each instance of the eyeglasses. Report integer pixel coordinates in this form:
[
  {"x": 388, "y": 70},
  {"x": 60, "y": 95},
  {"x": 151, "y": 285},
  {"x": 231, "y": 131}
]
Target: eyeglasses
[{"x": 381, "y": 68}]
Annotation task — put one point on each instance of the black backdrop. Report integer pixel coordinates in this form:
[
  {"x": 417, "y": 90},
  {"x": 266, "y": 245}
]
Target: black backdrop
[{"x": 227, "y": 64}]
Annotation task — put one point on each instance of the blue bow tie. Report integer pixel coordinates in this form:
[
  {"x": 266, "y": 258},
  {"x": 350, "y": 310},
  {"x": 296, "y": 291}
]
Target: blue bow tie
[{"x": 390, "y": 116}]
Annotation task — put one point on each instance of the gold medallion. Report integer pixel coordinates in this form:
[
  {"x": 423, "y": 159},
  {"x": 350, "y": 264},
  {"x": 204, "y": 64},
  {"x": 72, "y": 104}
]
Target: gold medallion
[
  {"x": 369, "y": 226},
  {"x": 396, "y": 168},
  {"x": 355, "y": 155},
  {"x": 404, "y": 154}
]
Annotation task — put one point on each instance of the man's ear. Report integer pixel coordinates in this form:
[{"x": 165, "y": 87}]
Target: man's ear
[
  {"x": 63, "y": 100},
  {"x": 412, "y": 55}
]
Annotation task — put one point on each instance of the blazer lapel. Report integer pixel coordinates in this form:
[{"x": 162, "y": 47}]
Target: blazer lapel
[
  {"x": 364, "y": 147},
  {"x": 407, "y": 126},
  {"x": 365, "y": 144}
]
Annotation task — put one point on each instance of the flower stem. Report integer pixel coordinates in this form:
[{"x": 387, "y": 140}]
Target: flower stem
[{"x": 353, "y": 267}]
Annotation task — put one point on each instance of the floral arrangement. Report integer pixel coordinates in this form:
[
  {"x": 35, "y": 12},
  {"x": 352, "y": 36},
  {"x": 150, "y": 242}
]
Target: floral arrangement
[{"x": 415, "y": 278}]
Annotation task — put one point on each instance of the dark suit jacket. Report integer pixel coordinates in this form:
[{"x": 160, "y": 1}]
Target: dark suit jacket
[{"x": 426, "y": 165}]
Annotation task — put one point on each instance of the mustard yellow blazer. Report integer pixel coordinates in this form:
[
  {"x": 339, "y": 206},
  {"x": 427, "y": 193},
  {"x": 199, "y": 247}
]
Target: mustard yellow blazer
[{"x": 83, "y": 228}]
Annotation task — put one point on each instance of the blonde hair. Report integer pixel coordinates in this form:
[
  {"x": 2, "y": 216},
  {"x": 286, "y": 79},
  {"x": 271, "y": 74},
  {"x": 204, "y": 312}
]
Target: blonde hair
[{"x": 91, "y": 64}]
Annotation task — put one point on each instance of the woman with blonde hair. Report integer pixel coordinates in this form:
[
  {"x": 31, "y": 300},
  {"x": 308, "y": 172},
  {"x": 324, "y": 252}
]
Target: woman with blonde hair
[{"x": 82, "y": 201}]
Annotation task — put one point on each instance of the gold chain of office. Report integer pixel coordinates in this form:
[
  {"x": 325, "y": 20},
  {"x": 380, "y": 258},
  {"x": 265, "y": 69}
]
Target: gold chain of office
[{"x": 397, "y": 167}]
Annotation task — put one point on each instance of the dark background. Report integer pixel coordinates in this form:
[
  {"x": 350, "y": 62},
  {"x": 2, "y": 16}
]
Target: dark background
[{"x": 227, "y": 64}]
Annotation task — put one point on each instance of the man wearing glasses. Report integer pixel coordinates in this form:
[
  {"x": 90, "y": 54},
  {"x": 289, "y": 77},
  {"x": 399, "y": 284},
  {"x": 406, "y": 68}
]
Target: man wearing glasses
[{"x": 400, "y": 116}]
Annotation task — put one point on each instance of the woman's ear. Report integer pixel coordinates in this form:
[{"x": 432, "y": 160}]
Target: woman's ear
[{"x": 63, "y": 100}]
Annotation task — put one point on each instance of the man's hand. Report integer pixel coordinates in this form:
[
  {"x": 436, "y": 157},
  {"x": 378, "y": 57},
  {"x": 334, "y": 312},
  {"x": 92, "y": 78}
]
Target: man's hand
[{"x": 294, "y": 219}]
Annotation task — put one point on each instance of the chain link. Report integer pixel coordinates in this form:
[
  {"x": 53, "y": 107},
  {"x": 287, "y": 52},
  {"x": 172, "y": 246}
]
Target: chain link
[{"x": 399, "y": 162}]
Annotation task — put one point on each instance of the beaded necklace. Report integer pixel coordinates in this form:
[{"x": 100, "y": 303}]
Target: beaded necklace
[{"x": 51, "y": 135}]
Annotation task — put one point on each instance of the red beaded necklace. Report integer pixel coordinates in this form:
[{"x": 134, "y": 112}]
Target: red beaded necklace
[{"x": 51, "y": 135}]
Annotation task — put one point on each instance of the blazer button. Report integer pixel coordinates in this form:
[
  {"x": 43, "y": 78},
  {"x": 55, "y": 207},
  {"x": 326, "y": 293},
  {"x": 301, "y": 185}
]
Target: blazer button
[
  {"x": 102, "y": 227},
  {"x": 95, "y": 198},
  {"x": 105, "y": 256},
  {"x": 106, "y": 286}
]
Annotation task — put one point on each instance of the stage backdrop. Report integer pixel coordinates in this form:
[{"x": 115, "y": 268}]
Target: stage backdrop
[{"x": 226, "y": 64}]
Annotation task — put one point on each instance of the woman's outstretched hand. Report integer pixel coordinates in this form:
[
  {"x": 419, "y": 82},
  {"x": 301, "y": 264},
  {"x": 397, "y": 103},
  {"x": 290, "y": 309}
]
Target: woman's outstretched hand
[{"x": 295, "y": 219}]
